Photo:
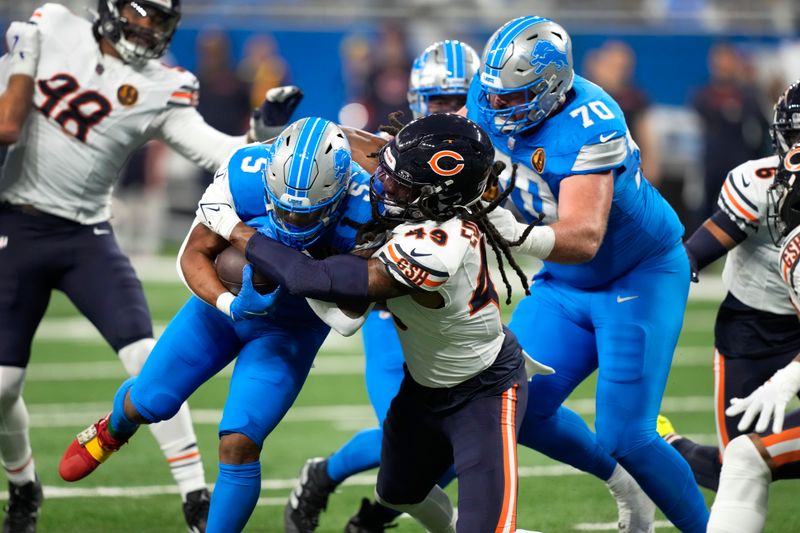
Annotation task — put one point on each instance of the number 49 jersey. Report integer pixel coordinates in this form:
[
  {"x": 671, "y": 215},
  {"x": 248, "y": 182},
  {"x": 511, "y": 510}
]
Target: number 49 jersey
[
  {"x": 90, "y": 112},
  {"x": 446, "y": 346}
]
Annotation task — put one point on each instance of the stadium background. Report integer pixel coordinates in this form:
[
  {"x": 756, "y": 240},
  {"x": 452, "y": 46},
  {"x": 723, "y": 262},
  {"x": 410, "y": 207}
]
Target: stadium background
[{"x": 350, "y": 58}]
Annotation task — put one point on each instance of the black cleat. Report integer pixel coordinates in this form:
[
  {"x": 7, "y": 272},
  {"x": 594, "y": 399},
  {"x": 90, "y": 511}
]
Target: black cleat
[
  {"x": 22, "y": 508},
  {"x": 309, "y": 497},
  {"x": 370, "y": 518},
  {"x": 195, "y": 510}
]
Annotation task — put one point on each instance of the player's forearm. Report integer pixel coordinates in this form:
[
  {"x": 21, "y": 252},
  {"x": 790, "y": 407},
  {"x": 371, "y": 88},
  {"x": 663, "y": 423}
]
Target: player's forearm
[
  {"x": 339, "y": 278},
  {"x": 575, "y": 242},
  {"x": 713, "y": 240},
  {"x": 201, "y": 277},
  {"x": 15, "y": 104}
]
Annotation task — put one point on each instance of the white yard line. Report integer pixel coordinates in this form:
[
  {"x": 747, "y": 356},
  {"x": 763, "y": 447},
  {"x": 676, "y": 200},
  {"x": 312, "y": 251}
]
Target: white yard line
[{"x": 612, "y": 526}]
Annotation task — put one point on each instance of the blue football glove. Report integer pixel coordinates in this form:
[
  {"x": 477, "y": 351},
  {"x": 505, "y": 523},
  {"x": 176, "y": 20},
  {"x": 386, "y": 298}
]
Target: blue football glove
[
  {"x": 249, "y": 303},
  {"x": 275, "y": 112}
]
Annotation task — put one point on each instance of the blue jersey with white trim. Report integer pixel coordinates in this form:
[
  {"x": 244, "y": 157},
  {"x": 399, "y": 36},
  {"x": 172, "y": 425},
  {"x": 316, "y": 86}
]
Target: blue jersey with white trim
[
  {"x": 588, "y": 135},
  {"x": 245, "y": 169}
]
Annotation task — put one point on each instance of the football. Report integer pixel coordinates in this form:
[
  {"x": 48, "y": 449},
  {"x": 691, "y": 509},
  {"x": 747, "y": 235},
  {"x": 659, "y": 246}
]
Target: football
[{"x": 229, "y": 265}]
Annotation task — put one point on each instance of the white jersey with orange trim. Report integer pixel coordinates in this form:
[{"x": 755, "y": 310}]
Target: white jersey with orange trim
[
  {"x": 789, "y": 259},
  {"x": 444, "y": 347},
  {"x": 749, "y": 272},
  {"x": 91, "y": 111}
]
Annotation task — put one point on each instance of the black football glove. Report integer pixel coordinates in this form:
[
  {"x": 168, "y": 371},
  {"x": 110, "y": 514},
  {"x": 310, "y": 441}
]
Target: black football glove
[{"x": 275, "y": 112}]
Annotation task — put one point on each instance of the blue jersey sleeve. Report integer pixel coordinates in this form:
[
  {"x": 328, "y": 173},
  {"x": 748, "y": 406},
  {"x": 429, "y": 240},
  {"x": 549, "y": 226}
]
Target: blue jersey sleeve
[
  {"x": 357, "y": 211},
  {"x": 245, "y": 179}
]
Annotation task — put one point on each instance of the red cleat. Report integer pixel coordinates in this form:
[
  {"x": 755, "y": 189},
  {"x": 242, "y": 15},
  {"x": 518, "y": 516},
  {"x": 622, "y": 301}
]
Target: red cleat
[{"x": 90, "y": 448}]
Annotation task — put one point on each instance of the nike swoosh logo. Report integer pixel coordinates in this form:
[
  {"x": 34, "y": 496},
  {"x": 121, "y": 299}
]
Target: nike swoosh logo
[
  {"x": 604, "y": 138},
  {"x": 14, "y": 44},
  {"x": 98, "y": 231},
  {"x": 620, "y": 299},
  {"x": 745, "y": 183},
  {"x": 415, "y": 254},
  {"x": 213, "y": 208}
]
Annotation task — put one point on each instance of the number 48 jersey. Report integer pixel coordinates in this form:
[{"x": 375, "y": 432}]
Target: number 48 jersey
[{"x": 463, "y": 337}]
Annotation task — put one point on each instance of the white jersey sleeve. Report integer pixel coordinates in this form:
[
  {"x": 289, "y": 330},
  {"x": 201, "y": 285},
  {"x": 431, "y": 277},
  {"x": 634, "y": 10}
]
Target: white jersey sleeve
[
  {"x": 218, "y": 193},
  {"x": 743, "y": 197},
  {"x": 422, "y": 256},
  {"x": 183, "y": 129},
  {"x": 788, "y": 266}
]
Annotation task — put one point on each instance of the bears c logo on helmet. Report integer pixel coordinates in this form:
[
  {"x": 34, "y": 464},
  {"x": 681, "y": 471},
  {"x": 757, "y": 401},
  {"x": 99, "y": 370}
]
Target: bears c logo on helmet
[
  {"x": 792, "y": 160},
  {"x": 442, "y": 154}
]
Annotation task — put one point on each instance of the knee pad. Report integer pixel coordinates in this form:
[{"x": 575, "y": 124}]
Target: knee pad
[
  {"x": 135, "y": 354},
  {"x": 11, "y": 381}
]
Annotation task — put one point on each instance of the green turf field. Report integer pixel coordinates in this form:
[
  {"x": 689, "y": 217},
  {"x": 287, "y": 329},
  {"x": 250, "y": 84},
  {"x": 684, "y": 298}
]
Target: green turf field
[{"x": 73, "y": 376}]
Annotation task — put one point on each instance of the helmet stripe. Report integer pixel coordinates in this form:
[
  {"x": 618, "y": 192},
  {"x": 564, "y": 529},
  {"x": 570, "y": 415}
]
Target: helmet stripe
[
  {"x": 459, "y": 47},
  {"x": 501, "y": 43},
  {"x": 300, "y": 166},
  {"x": 451, "y": 59}
]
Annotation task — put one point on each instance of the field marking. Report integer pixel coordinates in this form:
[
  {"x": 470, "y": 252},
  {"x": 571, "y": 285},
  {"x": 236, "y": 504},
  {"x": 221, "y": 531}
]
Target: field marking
[{"x": 612, "y": 526}]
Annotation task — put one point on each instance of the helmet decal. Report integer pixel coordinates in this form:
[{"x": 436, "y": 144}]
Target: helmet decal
[{"x": 433, "y": 162}]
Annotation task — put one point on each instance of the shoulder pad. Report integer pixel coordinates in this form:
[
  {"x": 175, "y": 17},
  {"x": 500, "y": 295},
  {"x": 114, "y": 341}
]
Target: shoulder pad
[{"x": 245, "y": 168}]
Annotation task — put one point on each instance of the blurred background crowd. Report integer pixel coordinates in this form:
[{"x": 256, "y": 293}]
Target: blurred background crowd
[{"x": 695, "y": 78}]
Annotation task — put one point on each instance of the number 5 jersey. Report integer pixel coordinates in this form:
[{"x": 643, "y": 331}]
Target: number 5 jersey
[{"x": 90, "y": 112}]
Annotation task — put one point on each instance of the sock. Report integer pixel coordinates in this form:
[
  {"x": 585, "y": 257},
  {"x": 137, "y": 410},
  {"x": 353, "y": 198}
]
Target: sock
[
  {"x": 435, "y": 513},
  {"x": 119, "y": 425},
  {"x": 565, "y": 437},
  {"x": 667, "y": 479},
  {"x": 179, "y": 444},
  {"x": 741, "y": 503},
  {"x": 636, "y": 512},
  {"x": 360, "y": 453},
  {"x": 15, "y": 443},
  {"x": 703, "y": 460},
  {"x": 234, "y": 498}
]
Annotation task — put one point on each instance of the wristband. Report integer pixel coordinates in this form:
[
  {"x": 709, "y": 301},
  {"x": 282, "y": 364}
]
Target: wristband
[{"x": 224, "y": 302}]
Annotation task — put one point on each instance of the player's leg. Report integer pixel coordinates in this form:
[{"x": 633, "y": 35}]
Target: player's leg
[
  {"x": 269, "y": 373},
  {"x": 483, "y": 435},
  {"x": 414, "y": 454},
  {"x": 733, "y": 378},
  {"x": 319, "y": 477},
  {"x": 103, "y": 286},
  {"x": 26, "y": 280},
  {"x": 636, "y": 338}
]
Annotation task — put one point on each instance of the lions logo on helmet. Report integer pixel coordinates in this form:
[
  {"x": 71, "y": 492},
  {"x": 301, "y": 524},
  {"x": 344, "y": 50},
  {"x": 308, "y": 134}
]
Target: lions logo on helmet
[
  {"x": 138, "y": 30},
  {"x": 531, "y": 56},
  {"x": 444, "y": 69},
  {"x": 306, "y": 178},
  {"x": 431, "y": 168}
]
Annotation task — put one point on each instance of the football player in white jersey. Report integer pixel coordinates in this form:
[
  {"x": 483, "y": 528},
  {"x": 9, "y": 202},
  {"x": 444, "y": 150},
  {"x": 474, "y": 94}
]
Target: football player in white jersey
[
  {"x": 76, "y": 98},
  {"x": 754, "y": 460},
  {"x": 464, "y": 387},
  {"x": 756, "y": 330}
]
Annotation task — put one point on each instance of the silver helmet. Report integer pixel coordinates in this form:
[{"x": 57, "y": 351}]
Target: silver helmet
[
  {"x": 143, "y": 34},
  {"x": 445, "y": 68},
  {"x": 532, "y": 55},
  {"x": 306, "y": 179}
]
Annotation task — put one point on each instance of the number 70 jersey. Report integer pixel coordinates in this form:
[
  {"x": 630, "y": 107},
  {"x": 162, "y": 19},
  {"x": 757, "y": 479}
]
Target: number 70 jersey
[{"x": 446, "y": 346}]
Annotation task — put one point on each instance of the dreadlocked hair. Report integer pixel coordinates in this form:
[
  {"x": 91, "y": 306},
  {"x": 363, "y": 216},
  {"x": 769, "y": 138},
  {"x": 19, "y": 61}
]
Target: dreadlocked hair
[
  {"x": 500, "y": 246},
  {"x": 395, "y": 124}
]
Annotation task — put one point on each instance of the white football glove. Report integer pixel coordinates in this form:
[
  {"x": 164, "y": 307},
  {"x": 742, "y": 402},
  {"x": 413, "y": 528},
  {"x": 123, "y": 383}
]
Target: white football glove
[
  {"x": 275, "y": 112},
  {"x": 769, "y": 399},
  {"x": 220, "y": 218},
  {"x": 22, "y": 40}
]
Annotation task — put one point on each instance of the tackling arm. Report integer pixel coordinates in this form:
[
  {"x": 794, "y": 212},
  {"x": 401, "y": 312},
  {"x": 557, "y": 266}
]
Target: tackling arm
[{"x": 712, "y": 240}]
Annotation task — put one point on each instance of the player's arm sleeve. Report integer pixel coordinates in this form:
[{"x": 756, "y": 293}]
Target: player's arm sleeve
[
  {"x": 338, "y": 320},
  {"x": 415, "y": 264},
  {"x": 183, "y": 129},
  {"x": 738, "y": 202}
]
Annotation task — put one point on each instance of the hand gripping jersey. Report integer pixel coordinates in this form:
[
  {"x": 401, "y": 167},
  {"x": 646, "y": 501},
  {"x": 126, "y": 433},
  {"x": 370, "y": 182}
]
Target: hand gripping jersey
[
  {"x": 587, "y": 135},
  {"x": 749, "y": 272},
  {"x": 91, "y": 111},
  {"x": 444, "y": 347},
  {"x": 788, "y": 260}
]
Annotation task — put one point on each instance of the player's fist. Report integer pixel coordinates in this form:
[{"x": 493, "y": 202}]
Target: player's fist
[
  {"x": 22, "y": 40},
  {"x": 275, "y": 112}
]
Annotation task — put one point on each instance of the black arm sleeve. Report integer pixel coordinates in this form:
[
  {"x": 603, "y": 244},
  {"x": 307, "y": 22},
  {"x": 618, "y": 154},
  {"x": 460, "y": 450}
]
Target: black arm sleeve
[
  {"x": 703, "y": 248},
  {"x": 339, "y": 278}
]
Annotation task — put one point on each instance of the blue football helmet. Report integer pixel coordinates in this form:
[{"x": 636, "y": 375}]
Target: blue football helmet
[
  {"x": 445, "y": 68},
  {"x": 528, "y": 55},
  {"x": 306, "y": 179}
]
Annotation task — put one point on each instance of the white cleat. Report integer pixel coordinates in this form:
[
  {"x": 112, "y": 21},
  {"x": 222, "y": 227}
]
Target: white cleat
[{"x": 636, "y": 511}]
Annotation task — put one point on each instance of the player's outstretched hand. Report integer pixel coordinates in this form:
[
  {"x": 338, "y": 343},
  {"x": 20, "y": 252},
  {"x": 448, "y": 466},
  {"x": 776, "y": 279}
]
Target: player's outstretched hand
[
  {"x": 276, "y": 111},
  {"x": 22, "y": 40},
  {"x": 768, "y": 400},
  {"x": 249, "y": 303}
]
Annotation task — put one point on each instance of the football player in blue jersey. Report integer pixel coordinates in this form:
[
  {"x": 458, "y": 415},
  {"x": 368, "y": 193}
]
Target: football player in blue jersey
[
  {"x": 613, "y": 289},
  {"x": 439, "y": 82},
  {"x": 315, "y": 198}
]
